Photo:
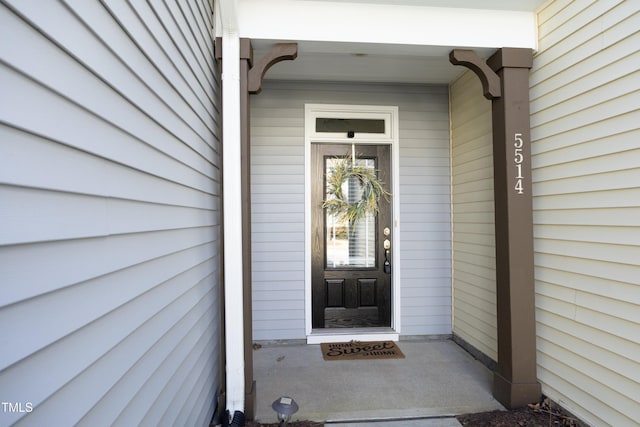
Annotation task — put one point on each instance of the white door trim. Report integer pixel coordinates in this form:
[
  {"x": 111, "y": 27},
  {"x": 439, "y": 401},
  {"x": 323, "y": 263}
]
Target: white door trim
[{"x": 390, "y": 137}]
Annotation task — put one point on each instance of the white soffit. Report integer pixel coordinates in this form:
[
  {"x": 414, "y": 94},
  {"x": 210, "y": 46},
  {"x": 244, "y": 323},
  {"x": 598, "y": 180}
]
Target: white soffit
[{"x": 382, "y": 41}]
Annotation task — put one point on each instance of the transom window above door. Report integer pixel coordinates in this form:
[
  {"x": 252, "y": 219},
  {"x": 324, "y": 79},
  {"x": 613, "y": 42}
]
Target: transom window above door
[
  {"x": 349, "y": 126},
  {"x": 333, "y": 123}
]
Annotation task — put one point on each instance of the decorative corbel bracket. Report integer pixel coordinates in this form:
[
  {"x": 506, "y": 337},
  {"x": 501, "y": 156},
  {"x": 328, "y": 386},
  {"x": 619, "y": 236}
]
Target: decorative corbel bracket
[
  {"x": 279, "y": 52},
  {"x": 490, "y": 80},
  {"x": 257, "y": 69}
]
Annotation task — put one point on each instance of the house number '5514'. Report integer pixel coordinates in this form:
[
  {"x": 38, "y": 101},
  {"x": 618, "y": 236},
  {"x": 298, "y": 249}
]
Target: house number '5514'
[{"x": 517, "y": 144}]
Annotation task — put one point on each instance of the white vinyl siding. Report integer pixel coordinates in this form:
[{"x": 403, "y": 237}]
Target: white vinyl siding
[
  {"x": 109, "y": 213},
  {"x": 474, "y": 260},
  {"x": 585, "y": 110},
  {"x": 277, "y": 135}
]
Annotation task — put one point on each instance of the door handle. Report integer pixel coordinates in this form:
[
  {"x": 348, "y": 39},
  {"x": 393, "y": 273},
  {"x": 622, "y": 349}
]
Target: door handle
[{"x": 387, "y": 252}]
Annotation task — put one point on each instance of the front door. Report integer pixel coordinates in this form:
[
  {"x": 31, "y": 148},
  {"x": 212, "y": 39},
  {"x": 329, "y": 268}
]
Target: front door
[{"x": 351, "y": 270}]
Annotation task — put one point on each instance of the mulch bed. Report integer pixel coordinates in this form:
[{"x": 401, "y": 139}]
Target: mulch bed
[{"x": 542, "y": 414}]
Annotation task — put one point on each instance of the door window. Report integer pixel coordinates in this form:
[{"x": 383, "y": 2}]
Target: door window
[{"x": 350, "y": 245}]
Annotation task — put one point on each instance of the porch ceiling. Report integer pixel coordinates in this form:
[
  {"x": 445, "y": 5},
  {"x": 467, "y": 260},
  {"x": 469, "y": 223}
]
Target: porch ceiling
[
  {"x": 363, "y": 62},
  {"x": 390, "y": 41}
]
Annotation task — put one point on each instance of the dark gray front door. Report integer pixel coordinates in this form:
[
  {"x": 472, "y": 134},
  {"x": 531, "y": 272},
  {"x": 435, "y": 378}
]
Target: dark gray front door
[{"x": 351, "y": 287}]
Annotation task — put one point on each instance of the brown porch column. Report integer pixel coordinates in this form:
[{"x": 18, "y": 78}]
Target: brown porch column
[
  {"x": 515, "y": 379},
  {"x": 246, "y": 62}
]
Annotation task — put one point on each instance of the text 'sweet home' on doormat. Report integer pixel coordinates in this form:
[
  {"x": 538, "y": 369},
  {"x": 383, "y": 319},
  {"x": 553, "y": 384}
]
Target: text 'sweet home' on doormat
[{"x": 359, "y": 350}]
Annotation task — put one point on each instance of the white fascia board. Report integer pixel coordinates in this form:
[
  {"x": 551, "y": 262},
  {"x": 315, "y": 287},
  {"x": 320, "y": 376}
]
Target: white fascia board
[
  {"x": 360, "y": 22},
  {"x": 217, "y": 19},
  {"x": 226, "y": 12}
]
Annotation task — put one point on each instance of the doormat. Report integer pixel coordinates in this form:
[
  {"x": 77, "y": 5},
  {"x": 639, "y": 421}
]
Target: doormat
[{"x": 360, "y": 350}]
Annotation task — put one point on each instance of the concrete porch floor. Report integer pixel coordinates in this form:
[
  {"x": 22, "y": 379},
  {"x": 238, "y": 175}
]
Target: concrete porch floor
[{"x": 436, "y": 379}]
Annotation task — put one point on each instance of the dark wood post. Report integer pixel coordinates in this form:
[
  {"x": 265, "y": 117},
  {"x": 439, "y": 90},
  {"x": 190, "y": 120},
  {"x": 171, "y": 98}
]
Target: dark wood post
[
  {"x": 515, "y": 378},
  {"x": 246, "y": 62}
]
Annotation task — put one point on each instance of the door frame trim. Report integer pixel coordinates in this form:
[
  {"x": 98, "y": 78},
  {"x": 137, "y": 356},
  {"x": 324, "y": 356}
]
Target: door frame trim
[{"x": 390, "y": 137}]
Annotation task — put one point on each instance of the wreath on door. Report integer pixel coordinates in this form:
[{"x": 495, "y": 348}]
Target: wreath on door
[{"x": 344, "y": 170}]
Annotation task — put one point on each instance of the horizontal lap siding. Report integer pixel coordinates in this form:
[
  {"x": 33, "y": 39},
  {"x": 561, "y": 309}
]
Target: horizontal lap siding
[
  {"x": 277, "y": 138},
  {"x": 474, "y": 263},
  {"x": 425, "y": 211},
  {"x": 585, "y": 97},
  {"x": 277, "y": 212},
  {"x": 109, "y": 189}
]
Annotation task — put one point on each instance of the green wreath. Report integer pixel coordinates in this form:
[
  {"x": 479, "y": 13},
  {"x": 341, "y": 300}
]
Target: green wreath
[{"x": 337, "y": 204}]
